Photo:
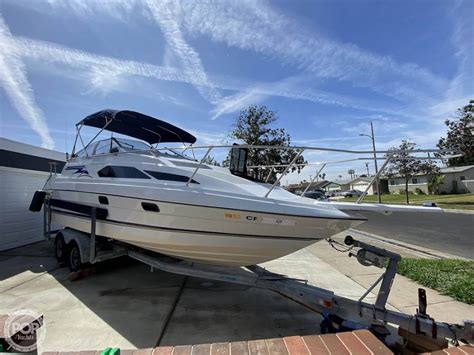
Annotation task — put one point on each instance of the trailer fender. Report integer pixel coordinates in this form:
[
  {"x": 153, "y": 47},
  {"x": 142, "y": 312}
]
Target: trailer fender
[{"x": 82, "y": 240}]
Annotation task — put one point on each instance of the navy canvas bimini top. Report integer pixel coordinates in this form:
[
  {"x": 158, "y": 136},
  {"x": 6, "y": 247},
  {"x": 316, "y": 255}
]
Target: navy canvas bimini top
[{"x": 138, "y": 125}]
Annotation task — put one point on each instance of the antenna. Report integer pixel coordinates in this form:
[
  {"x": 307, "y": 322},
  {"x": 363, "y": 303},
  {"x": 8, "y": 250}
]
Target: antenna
[{"x": 65, "y": 139}]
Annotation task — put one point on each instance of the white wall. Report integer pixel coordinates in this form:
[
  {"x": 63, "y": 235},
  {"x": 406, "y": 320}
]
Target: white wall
[
  {"x": 421, "y": 183},
  {"x": 361, "y": 186},
  {"x": 455, "y": 178},
  {"x": 18, "y": 225},
  {"x": 467, "y": 185}
]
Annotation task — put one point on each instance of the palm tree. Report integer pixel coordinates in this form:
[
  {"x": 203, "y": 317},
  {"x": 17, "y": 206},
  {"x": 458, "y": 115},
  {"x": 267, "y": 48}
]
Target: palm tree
[
  {"x": 351, "y": 172},
  {"x": 340, "y": 177}
]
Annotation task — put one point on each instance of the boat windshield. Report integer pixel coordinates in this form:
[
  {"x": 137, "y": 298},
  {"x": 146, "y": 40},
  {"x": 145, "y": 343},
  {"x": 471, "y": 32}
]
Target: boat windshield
[
  {"x": 113, "y": 145},
  {"x": 123, "y": 145}
]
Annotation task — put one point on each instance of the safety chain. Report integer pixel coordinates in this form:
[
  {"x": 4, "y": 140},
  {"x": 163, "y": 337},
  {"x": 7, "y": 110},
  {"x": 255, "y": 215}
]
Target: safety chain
[{"x": 337, "y": 245}]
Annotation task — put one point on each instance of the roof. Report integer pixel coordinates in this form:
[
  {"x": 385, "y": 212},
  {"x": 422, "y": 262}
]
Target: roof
[
  {"x": 361, "y": 178},
  {"x": 447, "y": 170},
  {"x": 28, "y": 149},
  {"x": 341, "y": 182},
  {"x": 137, "y": 125},
  {"x": 456, "y": 169}
]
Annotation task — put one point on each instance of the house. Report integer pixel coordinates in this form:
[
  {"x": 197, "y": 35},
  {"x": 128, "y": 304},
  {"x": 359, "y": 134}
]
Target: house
[
  {"x": 299, "y": 188},
  {"x": 457, "y": 179},
  {"x": 361, "y": 183},
  {"x": 337, "y": 185}
]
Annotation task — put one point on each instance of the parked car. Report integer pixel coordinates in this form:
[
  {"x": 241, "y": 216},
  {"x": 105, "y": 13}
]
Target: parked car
[
  {"x": 350, "y": 193},
  {"x": 316, "y": 195}
]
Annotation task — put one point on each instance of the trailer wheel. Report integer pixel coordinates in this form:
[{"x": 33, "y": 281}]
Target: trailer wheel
[
  {"x": 60, "y": 248},
  {"x": 74, "y": 257}
]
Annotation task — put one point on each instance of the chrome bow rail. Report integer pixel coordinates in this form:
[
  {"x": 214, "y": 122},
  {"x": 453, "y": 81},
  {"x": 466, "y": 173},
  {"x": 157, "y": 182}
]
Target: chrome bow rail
[{"x": 388, "y": 156}]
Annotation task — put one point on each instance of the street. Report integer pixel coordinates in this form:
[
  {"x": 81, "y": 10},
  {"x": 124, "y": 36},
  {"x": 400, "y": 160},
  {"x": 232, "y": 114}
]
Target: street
[{"x": 451, "y": 233}]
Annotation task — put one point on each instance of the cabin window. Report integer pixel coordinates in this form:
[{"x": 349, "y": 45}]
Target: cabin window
[
  {"x": 126, "y": 172},
  {"x": 103, "y": 200},
  {"x": 150, "y": 207},
  {"x": 414, "y": 181},
  {"x": 462, "y": 178},
  {"x": 170, "y": 177},
  {"x": 392, "y": 182}
]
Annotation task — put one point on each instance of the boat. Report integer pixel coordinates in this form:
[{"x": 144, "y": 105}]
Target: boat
[{"x": 164, "y": 201}]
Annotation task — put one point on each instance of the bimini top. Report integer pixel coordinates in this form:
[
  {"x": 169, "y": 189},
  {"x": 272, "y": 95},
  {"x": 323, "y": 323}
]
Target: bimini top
[{"x": 137, "y": 125}]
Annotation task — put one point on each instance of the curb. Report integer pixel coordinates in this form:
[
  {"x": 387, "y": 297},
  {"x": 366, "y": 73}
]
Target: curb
[
  {"x": 411, "y": 247},
  {"x": 450, "y": 210}
]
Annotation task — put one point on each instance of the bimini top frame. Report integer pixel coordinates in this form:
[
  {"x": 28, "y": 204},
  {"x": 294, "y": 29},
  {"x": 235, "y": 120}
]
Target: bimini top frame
[{"x": 134, "y": 124}]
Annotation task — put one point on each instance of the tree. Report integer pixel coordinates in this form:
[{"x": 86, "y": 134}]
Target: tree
[
  {"x": 460, "y": 136},
  {"x": 211, "y": 161},
  {"x": 404, "y": 164},
  {"x": 351, "y": 172},
  {"x": 254, "y": 127},
  {"x": 434, "y": 183}
]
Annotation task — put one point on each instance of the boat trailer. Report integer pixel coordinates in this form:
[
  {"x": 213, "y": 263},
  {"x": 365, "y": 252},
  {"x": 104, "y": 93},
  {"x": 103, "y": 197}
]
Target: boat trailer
[{"x": 340, "y": 313}]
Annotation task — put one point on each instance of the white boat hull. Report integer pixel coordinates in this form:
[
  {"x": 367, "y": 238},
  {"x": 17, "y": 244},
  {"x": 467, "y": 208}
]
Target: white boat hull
[
  {"x": 217, "y": 249},
  {"x": 205, "y": 234}
]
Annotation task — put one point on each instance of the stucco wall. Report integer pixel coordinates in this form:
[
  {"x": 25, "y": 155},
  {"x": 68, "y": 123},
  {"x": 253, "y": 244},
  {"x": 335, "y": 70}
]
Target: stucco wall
[
  {"x": 394, "y": 189},
  {"x": 452, "y": 183}
]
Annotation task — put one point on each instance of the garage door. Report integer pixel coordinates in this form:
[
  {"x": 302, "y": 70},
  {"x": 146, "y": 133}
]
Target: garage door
[{"x": 18, "y": 225}]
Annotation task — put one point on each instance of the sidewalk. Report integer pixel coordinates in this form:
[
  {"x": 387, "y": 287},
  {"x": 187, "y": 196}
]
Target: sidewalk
[{"x": 403, "y": 295}]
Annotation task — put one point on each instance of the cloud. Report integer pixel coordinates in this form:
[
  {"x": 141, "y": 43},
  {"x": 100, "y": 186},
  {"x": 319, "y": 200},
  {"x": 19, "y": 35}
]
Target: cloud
[
  {"x": 207, "y": 138},
  {"x": 118, "y": 9},
  {"x": 14, "y": 80},
  {"x": 47, "y": 52},
  {"x": 235, "y": 103},
  {"x": 293, "y": 87},
  {"x": 256, "y": 26},
  {"x": 261, "y": 28},
  {"x": 461, "y": 87},
  {"x": 104, "y": 73},
  {"x": 166, "y": 16}
]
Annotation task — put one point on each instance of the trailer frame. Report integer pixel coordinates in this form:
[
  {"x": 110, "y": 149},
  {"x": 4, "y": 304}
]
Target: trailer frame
[{"x": 348, "y": 313}]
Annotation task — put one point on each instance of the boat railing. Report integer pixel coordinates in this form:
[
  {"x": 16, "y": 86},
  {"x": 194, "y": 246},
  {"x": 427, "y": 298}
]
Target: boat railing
[{"x": 388, "y": 156}]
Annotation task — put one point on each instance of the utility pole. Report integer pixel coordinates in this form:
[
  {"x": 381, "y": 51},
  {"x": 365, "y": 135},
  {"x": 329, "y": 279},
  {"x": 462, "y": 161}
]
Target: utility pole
[{"x": 372, "y": 137}]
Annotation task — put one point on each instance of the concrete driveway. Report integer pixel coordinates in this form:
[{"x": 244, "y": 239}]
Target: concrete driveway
[{"x": 125, "y": 305}]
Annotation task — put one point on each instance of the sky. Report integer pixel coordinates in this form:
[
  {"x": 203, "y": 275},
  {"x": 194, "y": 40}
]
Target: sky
[{"x": 327, "y": 68}]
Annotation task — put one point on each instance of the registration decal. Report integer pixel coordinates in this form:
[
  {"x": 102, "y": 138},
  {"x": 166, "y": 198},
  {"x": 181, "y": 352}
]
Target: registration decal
[
  {"x": 230, "y": 215},
  {"x": 280, "y": 222}
]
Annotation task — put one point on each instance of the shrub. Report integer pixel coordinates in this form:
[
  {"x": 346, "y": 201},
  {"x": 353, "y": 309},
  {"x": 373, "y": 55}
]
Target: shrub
[{"x": 419, "y": 191}]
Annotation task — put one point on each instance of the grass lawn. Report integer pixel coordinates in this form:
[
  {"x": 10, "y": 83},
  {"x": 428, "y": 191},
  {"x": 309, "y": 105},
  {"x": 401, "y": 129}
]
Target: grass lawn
[
  {"x": 461, "y": 201},
  {"x": 450, "y": 277}
]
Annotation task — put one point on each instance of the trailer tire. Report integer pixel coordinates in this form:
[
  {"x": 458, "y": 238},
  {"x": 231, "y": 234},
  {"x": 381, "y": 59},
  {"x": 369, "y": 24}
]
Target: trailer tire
[
  {"x": 60, "y": 248},
  {"x": 74, "y": 257}
]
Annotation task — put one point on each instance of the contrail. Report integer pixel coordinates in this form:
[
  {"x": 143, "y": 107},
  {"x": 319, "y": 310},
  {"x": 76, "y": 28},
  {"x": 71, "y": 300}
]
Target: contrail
[
  {"x": 14, "y": 81},
  {"x": 163, "y": 14},
  {"x": 54, "y": 53}
]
